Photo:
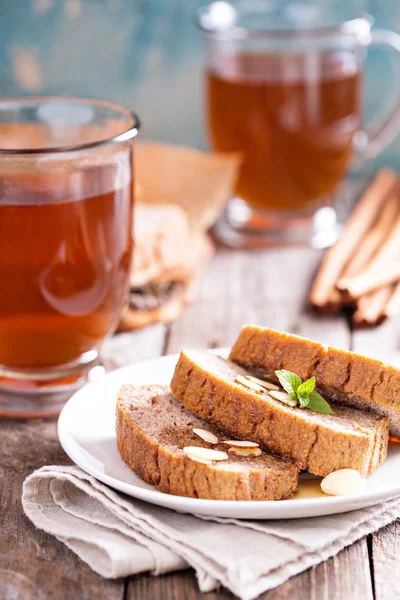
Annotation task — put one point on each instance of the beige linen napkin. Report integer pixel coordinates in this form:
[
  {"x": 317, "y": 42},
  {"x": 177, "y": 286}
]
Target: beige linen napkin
[{"x": 119, "y": 536}]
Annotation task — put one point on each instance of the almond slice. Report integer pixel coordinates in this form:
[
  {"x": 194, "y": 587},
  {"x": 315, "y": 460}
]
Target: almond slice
[
  {"x": 283, "y": 397},
  {"x": 204, "y": 453},
  {"x": 245, "y": 451},
  {"x": 249, "y": 384},
  {"x": 240, "y": 443},
  {"x": 265, "y": 384},
  {"x": 206, "y": 436}
]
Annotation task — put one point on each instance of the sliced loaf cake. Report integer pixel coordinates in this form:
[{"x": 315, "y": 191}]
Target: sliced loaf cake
[
  {"x": 344, "y": 376},
  {"x": 153, "y": 429},
  {"x": 207, "y": 386}
]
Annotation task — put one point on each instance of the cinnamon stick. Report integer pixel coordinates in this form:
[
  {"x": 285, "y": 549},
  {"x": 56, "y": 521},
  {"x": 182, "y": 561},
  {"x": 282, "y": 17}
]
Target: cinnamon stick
[
  {"x": 392, "y": 308},
  {"x": 370, "y": 308},
  {"x": 388, "y": 252},
  {"x": 361, "y": 220},
  {"x": 391, "y": 247},
  {"x": 367, "y": 249},
  {"x": 334, "y": 302},
  {"x": 379, "y": 274},
  {"x": 375, "y": 238}
]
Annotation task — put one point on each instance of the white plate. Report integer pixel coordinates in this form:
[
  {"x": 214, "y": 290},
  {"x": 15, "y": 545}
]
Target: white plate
[{"x": 86, "y": 429}]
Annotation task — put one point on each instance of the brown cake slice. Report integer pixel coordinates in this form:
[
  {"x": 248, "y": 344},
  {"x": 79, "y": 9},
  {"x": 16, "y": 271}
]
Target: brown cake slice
[
  {"x": 321, "y": 443},
  {"x": 152, "y": 430},
  {"x": 348, "y": 377}
]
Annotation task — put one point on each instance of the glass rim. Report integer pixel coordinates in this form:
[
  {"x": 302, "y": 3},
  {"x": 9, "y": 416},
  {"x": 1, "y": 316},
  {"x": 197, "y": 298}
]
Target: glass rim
[
  {"x": 127, "y": 134},
  {"x": 361, "y": 23}
]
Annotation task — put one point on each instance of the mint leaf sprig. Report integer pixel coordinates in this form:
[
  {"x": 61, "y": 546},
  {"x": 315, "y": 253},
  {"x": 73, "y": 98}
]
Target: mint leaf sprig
[{"x": 303, "y": 392}]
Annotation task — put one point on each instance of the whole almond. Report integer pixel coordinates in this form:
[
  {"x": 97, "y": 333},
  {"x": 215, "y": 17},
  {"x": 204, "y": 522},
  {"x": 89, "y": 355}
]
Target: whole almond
[
  {"x": 206, "y": 436},
  {"x": 265, "y": 384},
  {"x": 245, "y": 451},
  {"x": 343, "y": 482},
  {"x": 204, "y": 453},
  {"x": 283, "y": 397},
  {"x": 240, "y": 443}
]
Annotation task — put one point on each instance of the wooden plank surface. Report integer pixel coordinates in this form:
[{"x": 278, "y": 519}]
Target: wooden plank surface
[
  {"x": 34, "y": 565},
  {"x": 343, "y": 577},
  {"x": 174, "y": 586},
  {"x": 385, "y": 549},
  {"x": 381, "y": 342},
  {"x": 266, "y": 288}
]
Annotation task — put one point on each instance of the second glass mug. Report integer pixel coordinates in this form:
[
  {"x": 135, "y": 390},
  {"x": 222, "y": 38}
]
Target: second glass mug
[
  {"x": 283, "y": 89},
  {"x": 66, "y": 237}
]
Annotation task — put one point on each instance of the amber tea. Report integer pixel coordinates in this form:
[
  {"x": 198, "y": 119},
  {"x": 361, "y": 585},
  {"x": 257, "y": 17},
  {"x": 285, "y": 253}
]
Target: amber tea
[
  {"x": 65, "y": 253},
  {"x": 293, "y": 121}
]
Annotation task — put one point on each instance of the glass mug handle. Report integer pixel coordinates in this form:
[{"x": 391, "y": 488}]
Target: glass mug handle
[{"x": 368, "y": 144}]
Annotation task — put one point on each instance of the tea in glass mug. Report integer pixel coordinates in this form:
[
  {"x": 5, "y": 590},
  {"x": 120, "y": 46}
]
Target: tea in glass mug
[
  {"x": 284, "y": 90},
  {"x": 66, "y": 238},
  {"x": 295, "y": 135}
]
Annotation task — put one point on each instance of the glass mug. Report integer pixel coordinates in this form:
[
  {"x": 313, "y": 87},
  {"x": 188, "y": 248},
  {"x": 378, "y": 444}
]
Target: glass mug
[
  {"x": 283, "y": 89},
  {"x": 66, "y": 212}
]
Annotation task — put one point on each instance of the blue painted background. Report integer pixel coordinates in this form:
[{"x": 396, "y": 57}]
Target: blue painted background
[{"x": 146, "y": 54}]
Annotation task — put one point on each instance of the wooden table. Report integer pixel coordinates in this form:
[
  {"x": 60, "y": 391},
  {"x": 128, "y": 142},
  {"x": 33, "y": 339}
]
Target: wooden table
[{"x": 267, "y": 288}]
